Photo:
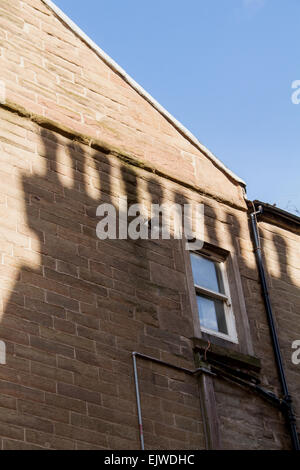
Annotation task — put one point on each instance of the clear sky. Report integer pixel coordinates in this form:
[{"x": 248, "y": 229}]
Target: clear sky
[{"x": 223, "y": 68}]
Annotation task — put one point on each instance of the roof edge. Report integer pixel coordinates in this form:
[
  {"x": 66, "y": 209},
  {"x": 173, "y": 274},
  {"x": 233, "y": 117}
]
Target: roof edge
[
  {"x": 276, "y": 212},
  {"x": 140, "y": 90}
]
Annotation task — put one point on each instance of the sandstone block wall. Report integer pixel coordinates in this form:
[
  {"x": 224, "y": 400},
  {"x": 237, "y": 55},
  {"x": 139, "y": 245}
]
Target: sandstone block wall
[{"x": 74, "y": 308}]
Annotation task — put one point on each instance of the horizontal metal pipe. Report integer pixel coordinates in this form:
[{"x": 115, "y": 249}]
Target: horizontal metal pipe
[
  {"x": 172, "y": 366},
  {"x": 137, "y": 388},
  {"x": 216, "y": 372}
]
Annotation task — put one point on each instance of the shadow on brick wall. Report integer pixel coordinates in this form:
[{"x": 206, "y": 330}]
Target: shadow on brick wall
[{"x": 71, "y": 324}]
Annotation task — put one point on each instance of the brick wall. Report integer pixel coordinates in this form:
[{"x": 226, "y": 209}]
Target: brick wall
[
  {"x": 282, "y": 259},
  {"x": 74, "y": 308}
]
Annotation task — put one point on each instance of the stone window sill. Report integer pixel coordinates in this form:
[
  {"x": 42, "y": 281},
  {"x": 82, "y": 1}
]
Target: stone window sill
[{"x": 231, "y": 361}]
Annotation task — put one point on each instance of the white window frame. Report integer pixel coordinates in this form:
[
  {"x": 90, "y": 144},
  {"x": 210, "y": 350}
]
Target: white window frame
[{"x": 226, "y": 298}]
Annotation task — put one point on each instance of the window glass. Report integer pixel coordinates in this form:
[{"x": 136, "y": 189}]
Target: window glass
[
  {"x": 207, "y": 273},
  {"x": 211, "y": 314}
]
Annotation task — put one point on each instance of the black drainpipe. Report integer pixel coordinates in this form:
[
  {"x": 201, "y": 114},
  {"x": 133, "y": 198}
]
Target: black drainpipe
[{"x": 287, "y": 400}]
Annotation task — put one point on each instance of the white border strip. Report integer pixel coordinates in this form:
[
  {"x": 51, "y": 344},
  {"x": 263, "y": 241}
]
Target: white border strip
[{"x": 116, "y": 68}]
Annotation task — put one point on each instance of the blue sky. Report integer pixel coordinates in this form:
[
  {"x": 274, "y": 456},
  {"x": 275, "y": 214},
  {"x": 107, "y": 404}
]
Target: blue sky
[{"x": 224, "y": 68}]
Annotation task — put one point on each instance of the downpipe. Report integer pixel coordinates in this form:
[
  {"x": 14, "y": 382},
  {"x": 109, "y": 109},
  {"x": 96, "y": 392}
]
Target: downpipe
[
  {"x": 287, "y": 407},
  {"x": 138, "y": 401}
]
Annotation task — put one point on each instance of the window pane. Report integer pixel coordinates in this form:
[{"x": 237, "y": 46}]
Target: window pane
[
  {"x": 212, "y": 314},
  {"x": 207, "y": 273}
]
